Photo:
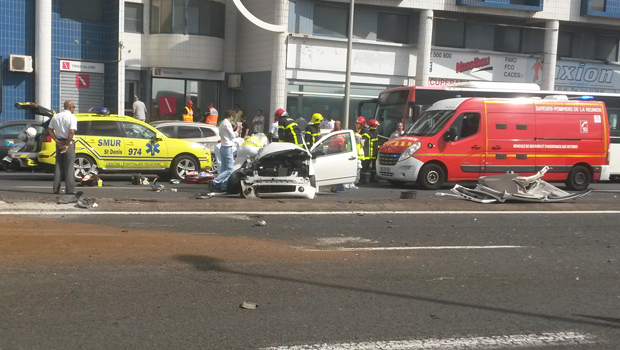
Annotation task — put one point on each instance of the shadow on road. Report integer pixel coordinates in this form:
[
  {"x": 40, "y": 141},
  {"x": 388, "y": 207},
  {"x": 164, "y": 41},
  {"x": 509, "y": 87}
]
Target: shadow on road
[{"x": 208, "y": 264}]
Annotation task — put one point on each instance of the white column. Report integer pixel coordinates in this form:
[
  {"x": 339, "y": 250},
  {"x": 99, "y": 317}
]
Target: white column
[
  {"x": 230, "y": 43},
  {"x": 550, "y": 50},
  {"x": 120, "y": 97},
  {"x": 278, "y": 69},
  {"x": 425, "y": 37},
  {"x": 43, "y": 55}
]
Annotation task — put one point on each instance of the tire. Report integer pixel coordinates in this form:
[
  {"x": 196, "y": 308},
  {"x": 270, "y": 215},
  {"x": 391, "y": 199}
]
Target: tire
[
  {"x": 213, "y": 168},
  {"x": 82, "y": 165},
  {"x": 431, "y": 177},
  {"x": 183, "y": 164},
  {"x": 578, "y": 178},
  {"x": 396, "y": 183}
]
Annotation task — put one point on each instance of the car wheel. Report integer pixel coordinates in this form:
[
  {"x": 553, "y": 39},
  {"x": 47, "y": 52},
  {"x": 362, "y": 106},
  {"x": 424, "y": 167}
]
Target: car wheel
[
  {"x": 578, "y": 178},
  {"x": 182, "y": 165},
  {"x": 82, "y": 165},
  {"x": 431, "y": 177},
  {"x": 213, "y": 168}
]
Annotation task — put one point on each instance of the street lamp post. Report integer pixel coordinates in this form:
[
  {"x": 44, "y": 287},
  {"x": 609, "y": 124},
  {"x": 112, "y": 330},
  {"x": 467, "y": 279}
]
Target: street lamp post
[{"x": 347, "y": 84}]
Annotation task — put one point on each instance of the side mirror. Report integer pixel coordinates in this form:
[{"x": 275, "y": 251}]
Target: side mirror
[{"x": 450, "y": 134}]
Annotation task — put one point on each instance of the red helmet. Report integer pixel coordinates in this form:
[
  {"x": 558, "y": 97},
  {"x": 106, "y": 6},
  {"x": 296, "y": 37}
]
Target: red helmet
[
  {"x": 373, "y": 123},
  {"x": 361, "y": 120},
  {"x": 278, "y": 113}
]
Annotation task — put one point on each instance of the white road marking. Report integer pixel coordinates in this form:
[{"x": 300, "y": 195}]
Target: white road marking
[
  {"x": 29, "y": 211},
  {"x": 368, "y": 249},
  {"x": 497, "y": 342},
  {"x": 143, "y": 187}
]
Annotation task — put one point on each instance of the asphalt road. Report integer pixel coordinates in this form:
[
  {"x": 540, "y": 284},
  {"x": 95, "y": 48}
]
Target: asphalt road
[{"x": 447, "y": 274}]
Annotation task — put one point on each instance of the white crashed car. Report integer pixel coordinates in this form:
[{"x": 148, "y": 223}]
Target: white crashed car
[{"x": 286, "y": 170}]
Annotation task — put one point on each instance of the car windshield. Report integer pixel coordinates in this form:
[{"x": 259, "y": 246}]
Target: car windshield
[{"x": 430, "y": 123}]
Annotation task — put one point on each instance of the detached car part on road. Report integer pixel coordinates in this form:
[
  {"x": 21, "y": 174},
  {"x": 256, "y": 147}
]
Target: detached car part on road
[
  {"x": 283, "y": 169},
  {"x": 500, "y": 188}
]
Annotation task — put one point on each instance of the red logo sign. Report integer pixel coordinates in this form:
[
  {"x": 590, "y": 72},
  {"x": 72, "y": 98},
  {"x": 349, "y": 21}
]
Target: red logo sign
[
  {"x": 66, "y": 65},
  {"x": 82, "y": 81},
  {"x": 157, "y": 71},
  {"x": 476, "y": 63},
  {"x": 167, "y": 105}
]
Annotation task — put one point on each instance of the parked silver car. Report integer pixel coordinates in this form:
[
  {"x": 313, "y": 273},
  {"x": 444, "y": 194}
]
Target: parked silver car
[{"x": 205, "y": 134}]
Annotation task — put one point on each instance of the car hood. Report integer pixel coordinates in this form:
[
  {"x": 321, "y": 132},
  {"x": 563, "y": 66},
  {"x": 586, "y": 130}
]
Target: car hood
[
  {"x": 277, "y": 149},
  {"x": 400, "y": 144}
]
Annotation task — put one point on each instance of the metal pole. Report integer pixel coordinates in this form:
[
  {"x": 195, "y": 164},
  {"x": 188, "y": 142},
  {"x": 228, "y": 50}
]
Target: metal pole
[{"x": 347, "y": 84}]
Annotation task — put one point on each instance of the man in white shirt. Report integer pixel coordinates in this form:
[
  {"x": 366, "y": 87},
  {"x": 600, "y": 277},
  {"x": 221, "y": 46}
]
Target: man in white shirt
[
  {"x": 258, "y": 122},
  {"x": 62, "y": 129},
  {"x": 228, "y": 135},
  {"x": 139, "y": 109}
]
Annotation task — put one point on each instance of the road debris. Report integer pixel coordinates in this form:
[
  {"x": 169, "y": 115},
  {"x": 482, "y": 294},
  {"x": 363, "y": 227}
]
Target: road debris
[
  {"x": 248, "y": 306},
  {"x": 511, "y": 186},
  {"x": 261, "y": 223},
  {"x": 175, "y": 181}
]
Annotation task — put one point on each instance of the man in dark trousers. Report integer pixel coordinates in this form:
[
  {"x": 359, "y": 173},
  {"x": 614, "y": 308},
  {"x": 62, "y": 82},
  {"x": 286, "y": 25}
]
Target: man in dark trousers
[
  {"x": 370, "y": 142},
  {"x": 62, "y": 129}
]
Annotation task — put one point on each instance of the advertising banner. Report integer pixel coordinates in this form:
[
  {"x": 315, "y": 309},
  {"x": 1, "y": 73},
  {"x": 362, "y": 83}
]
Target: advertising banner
[{"x": 450, "y": 67}]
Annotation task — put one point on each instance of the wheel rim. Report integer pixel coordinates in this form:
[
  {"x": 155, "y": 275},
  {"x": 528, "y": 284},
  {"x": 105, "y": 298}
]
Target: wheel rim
[
  {"x": 185, "y": 166},
  {"x": 82, "y": 167},
  {"x": 580, "y": 178},
  {"x": 213, "y": 168},
  {"x": 432, "y": 177}
]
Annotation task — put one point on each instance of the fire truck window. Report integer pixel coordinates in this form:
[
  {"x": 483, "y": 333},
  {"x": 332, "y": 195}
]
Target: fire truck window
[{"x": 466, "y": 125}]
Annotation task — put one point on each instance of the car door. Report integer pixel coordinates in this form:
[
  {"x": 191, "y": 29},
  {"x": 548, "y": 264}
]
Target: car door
[
  {"x": 334, "y": 158},
  {"x": 465, "y": 154},
  {"x": 143, "y": 150},
  {"x": 103, "y": 142}
]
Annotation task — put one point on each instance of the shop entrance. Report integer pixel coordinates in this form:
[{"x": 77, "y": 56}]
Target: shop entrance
[{"x": 170, "y": 96}]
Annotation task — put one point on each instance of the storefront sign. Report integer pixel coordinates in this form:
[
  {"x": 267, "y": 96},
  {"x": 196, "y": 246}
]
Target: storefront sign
[
  {"x": 80, "y": 66},
  {"x": 167, "y": 105},
  {"x": 472, "y": 66},
  {"x": 82, "y": 81},
  {"x": 450, "y": 67},
  {"x": 193, "y": 74}
]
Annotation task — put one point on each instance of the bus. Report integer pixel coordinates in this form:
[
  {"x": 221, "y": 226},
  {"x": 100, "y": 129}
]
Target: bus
[{"x": 406, "y": 104}]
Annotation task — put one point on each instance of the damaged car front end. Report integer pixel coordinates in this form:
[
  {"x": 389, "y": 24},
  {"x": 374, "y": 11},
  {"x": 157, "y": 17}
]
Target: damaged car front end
[
  {"x": 285, "y": 170},
  {"x": 279, "y": 170}
]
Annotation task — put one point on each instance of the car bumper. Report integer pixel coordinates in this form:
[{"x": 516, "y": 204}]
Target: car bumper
[
  {"x": 280, "y": 187},
  {"x": 405, "y": 171},
  {"x": 605, "y": 173}
]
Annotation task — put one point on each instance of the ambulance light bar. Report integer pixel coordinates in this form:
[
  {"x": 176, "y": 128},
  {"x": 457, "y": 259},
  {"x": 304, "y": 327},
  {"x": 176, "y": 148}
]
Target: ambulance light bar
[{"x": 99, "y": 110}]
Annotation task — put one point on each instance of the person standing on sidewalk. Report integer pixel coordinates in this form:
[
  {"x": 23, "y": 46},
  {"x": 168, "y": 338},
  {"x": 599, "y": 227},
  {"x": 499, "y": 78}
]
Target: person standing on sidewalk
[
  {"x": 62, "y": 129},
  {"x": 139, "y": 109}
]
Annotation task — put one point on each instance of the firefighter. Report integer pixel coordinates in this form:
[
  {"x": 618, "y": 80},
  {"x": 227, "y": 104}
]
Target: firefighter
[
  {"x": 371, "y": 148},
  {"x": 188, "y": 116},
  {"x": 313, "y": 131},
  {"x": 288, "y": 130}
]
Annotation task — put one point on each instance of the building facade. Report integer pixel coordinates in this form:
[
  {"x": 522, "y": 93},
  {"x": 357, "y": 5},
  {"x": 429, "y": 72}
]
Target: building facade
[{"x": 167, "y": 52}]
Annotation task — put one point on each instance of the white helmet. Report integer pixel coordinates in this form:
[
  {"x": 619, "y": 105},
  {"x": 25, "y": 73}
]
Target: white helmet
[{"x": 31, "y": 133}]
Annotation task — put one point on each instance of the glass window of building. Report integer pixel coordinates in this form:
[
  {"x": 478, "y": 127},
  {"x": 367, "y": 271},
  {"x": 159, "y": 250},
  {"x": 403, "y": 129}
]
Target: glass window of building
[
  {"x": 533, "y": 40},
  {"x": 479, "y": 36},
  {"x": 606, "y": 48},
  {"x": 330, "y": 21},
  {"x": 82, "y": 10},
  {"x": 507, "y": 39},
  {"x": 392, "y": 27},
  {"x": 449, "y": 33},
  {"x": 134, "y": 22},
  {"x": 199, "y": 17},
  {"x": 171, "y": 95},
  {"x": 598, "y": 5},
  {"x": 565, "y": 44}
]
